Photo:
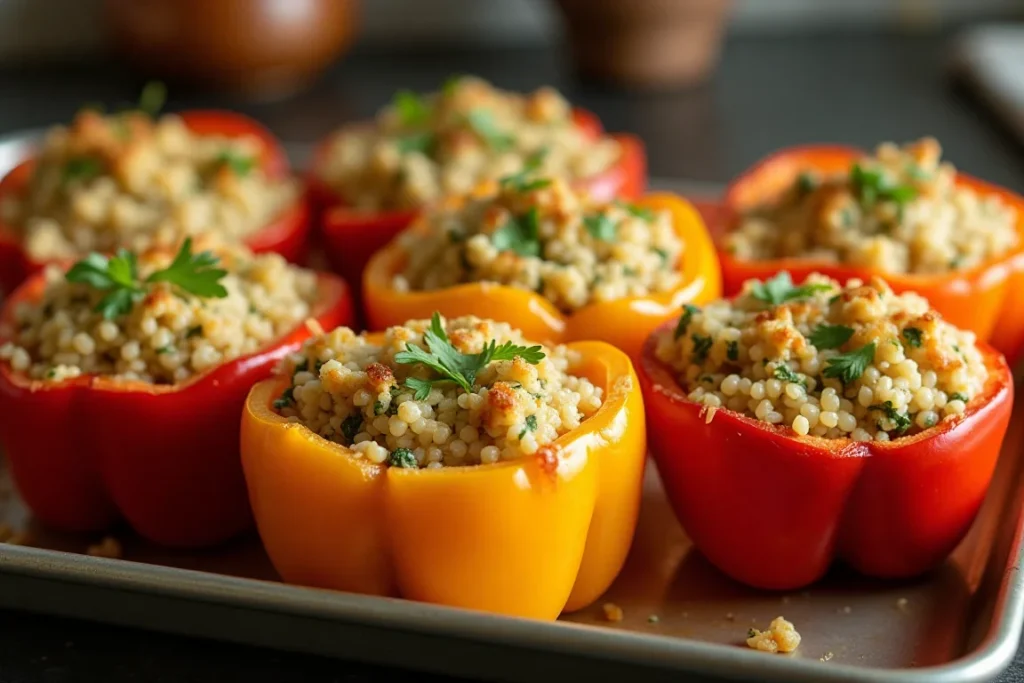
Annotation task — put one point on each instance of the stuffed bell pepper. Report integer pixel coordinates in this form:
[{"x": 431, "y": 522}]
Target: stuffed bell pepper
[
  {"x": 377, "y": 175},
  {"x": 135, "y": 180},
  {"x": 900, "y": 213},
  {"x": 122, "y": 379},
  {"x": 799, "y": 424},
  {"x": 448, "y": 461},
  {"x": 555, "y": 263}
]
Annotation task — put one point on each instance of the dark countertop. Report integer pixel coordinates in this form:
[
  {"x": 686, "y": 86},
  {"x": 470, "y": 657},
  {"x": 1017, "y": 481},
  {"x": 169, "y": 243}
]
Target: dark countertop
[{"x": 769, "y": 92}]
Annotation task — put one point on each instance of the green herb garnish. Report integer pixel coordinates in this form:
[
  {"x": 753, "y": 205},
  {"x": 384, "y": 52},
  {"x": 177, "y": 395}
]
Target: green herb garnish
[
  {"x": 451, "y": 364},
  {"x": 870, "y": 186},
  {"x": 416, "y": 142},
  {"x": 482, "y": 123},
  {"x": 530, "y": 426},
  {"x": 901, "y": 422},
  {"x": 601, "y": 227},
  {"x": 163, "y": 350},
  {"x": 197, "y": 330},
  {"x": 957, "y": 396},
  {"x": 351, "y": 425},
  {"x": 287, "y": 398},
  {"x": 779, "y": 289},
  {"x": 402, "y": 457},
  {"x": 701, "y": 347},
  {"x": 830, "y": 336},
  {"x": 152, "y": 98},
  {"x": 732, "y": 350},
  {"x": 118, "y": 275},
  {"x": 684, "y": 320},
  {"x": 520, "y": 234},
  {"x": 784, "y": 373},
  {"x": 806, "y": 183},
  {"x": 520, "y": 182},
  {"x": 641, "y": 212},
  {"x": 412, "y": 109},
  {"x": 913, "y": 337},
  {"x": 80, "y": 170},
  {"x": 238, "y": 164},
  {"x": 847, "y": 367}
]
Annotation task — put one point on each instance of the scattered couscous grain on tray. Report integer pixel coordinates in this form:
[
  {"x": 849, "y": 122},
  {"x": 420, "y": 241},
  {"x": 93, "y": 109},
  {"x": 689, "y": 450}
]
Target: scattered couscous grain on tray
[
  {"x": 854, "y": 361},
  {"x": 129, "y": 180},
  {"x": 899, "y": 211},
  {"x": 538, "y": 233},
  {"x": 422, "y": 148},
  {"x": 161, "y": 317},
  {"x": 497, "y": 397}
]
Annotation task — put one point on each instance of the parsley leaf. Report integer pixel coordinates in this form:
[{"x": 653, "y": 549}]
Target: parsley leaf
[
  {"x": 870, "y": 186},
  {"x": 482, "y": 123},
  {"x": 641, "y": 212},
  {"x": 351, "y": 425},
  {"x": 847, "y": 367},
  {"x": 806, "y": 183},
  {"x": 152, "y": 98},
  {"x": 450, "y": 85},
  {"x": 780, "y": 289},
  {"x": 913, "y": 337},
  {"x": 417, "y": 142},
  {"x": 117, "y": 275},
  {"x": 239, "y": 164},
  {"x": 785, "y": 374},
  {"x": 80, "y": 170},
  {"x": 601, "y": 227},
  {"x": 521, "y": 235},
  {"x": 521, "y": 182},
  {"x": 732, "y": 351},
  {"x": 901, "y": 422},
  {"x": 412, "y": 109},
  {"x": 287, "y": 398},
  {"x": 404, "y": 458},
  {"x": 193, "y": 273},
  {"x": 957, "y": 396},
  {"x": 684, "y": 320},
  {"x": 451, "y": 364},
  {"x": 830, "y": 336},
  {"x": 701, "y": 347},
  {"x": 530, "y": 426}
]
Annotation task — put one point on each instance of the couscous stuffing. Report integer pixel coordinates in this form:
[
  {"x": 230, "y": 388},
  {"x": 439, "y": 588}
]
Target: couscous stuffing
[
  {"x": 540, "y": 234},
  {"x": 436, "y": 393},
  {"x": 161, "y": 317},
  {"x": 129, "y": 180},
  {"x": 423, "y": 147},
  {"x": 781, "y": 636},
  {"x": 899, "y": 211},
  {"x": 856, "y": 362}
]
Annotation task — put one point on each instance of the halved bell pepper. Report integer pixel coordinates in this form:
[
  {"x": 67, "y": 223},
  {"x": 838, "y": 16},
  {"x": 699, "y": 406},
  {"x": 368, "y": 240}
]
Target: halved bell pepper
[
  {"x": 977, "y": 299},
  {"x": 351, "y": 236},
  {"x": 773, "y": 509},
  {"x": 624, "y": 323},
  {"x": 529, "y": 537},
  {"x": 88, "y": 451},
  {"x": 285, "y": 235}
]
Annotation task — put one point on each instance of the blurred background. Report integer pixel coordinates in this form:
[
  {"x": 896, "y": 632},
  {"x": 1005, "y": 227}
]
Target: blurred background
[{"x": 710, "y": 85}]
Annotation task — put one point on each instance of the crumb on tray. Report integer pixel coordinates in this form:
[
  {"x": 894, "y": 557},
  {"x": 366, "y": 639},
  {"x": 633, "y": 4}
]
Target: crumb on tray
[
  {"x": 611, "y": 612},
  {"x": 781, "y": 636},
  {"x": 109, "y": 547}
]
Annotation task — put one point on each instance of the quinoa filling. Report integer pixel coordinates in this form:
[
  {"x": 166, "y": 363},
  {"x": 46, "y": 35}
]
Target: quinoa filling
[
  {"x": 436, "y": 393},
  {"x": 899, "y": 211},
  {"x": 421, "y": 148},
  {"x": 135, "y": 181},
  {"x": 161, "y": 317},
  {"x": 537, "y": 233},
  {"x": 854, "y": 361}
]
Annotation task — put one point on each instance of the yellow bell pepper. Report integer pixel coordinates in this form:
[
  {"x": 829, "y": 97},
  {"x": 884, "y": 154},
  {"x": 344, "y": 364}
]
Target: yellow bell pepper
[
  {"x": 624, "y": 323},
  {"x": 531, "y": 537}
]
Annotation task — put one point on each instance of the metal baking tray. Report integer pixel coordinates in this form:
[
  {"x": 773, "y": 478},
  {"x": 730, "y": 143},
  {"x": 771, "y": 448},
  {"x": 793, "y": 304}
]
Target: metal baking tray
[{"x": 960, "y": 623}]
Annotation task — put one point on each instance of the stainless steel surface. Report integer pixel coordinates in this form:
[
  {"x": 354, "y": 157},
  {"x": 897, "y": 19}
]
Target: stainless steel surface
[{"x": 960, "y": 623}]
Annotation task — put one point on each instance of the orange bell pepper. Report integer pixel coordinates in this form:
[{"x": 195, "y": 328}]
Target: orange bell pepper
[
  {"x": 530, "y": 537},
  {"x": 351, "y": 237},
  {"x": 976, "y": 299},
  {"x": 624, "y": 323}
]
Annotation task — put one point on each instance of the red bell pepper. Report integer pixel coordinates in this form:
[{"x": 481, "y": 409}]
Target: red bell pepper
[
  {"x": 773, "y": 509},
  {"x": 351, "y": 236},
  {"x": 87, "y": 451},
  {"x": 285, "y": 235},
  {"x": 978, "y": 299}
]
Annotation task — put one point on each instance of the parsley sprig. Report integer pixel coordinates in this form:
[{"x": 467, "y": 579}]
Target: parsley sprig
[
  {"x": 521, "y": 182},
  {"x": 830, "y": 336},
  {"x": 453, "y": 366},
  {"x": 784, "y": 373},
  {"x": 848, "y": 367},
  {"x": 118, "y": 275},
  {"x": 871, "y": 186},
  {"x": 900, "y": 421},
  {"x": 482, "y": 123},
  {"x": 520, "y": 234},
  {"x": 239, "y": 164},
  {"x": 601, "y": 227},
  {"x": 780, "y": 289},
  {"x": 412, "y": 109}
]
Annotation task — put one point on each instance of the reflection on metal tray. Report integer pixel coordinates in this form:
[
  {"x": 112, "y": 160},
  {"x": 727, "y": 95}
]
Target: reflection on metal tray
[{"x": 962, "y": 622}]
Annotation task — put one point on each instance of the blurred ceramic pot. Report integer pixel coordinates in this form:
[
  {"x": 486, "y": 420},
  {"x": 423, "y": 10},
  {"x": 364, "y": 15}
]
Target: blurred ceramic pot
[
  {"x": 648, "y": 43},
  {"x": 262, "y": 47}
]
